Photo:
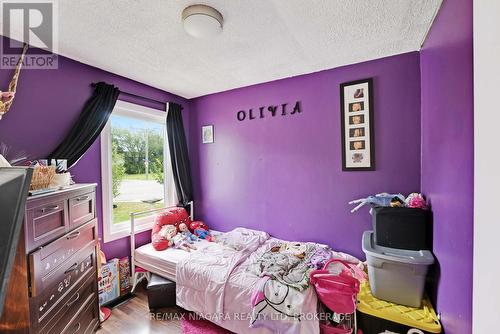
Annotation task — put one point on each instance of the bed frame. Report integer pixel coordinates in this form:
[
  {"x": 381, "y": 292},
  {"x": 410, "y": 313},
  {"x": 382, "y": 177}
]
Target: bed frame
[{"x": 135, "y": 264}]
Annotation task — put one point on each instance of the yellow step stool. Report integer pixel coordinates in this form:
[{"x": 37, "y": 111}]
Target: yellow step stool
[{"x": 376, "y": 315}]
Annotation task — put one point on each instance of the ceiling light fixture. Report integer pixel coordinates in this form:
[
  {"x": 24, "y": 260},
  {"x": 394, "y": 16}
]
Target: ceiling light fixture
[{"x": 202, "y": 21}]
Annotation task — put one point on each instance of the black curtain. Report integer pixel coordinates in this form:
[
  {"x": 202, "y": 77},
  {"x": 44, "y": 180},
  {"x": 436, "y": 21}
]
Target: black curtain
[
  {"x": 179, "y": 154},
  {"x": 89, "y": 125}
]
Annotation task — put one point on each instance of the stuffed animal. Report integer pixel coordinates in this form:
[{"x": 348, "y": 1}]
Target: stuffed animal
[
  {"x": 382, "y": 199},
  {"x": 184, "y": 230},
  {"x": 176, "y": 240},
  {"x": 201, "y": 231},
  {"x": 171, "y": 216},
  {"x": 416, "y": 200},
  {"x": 167, "y": 232}
]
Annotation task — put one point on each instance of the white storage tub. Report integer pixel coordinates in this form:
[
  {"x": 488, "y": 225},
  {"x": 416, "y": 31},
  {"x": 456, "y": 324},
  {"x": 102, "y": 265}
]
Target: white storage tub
[{"x": 396, "y": 275}]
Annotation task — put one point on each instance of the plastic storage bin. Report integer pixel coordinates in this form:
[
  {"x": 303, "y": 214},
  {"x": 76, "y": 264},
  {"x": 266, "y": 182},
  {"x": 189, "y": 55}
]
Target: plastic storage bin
[
  {"x": 376, "y": 316},
  {"x": 396, "y": 275},
  {"x": 403, "y": 228}
]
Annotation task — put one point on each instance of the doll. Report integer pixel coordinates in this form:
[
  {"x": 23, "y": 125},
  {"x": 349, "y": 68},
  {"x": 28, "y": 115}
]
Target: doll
[
  {"x": 190, "y": 237},
  {"x": 201, "y": 231},
  {"x": 176, "y": 240}
]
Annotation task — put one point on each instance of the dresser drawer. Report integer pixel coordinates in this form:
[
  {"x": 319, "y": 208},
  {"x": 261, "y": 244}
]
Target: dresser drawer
[
  {"x": 81, "y": 209},
  {"x": 69, "y": 304},
  {"x": 48, "y": 258},
  {"x": 46, "y": 222},
  {"x": 59, "y": 281},
  {"x": 83, "y": 321},
  {"x": 58, "y": 287}
]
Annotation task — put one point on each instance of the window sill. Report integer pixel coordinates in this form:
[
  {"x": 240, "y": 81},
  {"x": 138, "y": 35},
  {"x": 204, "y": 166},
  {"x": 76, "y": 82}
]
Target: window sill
[{"x": 123, "y": 231}]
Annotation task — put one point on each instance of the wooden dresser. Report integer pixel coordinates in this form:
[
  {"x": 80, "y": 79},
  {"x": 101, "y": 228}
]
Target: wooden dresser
[{"x": 53, "y": 285}]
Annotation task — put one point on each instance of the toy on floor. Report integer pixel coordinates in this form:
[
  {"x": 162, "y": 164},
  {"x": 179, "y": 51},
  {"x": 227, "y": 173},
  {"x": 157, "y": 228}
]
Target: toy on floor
[
  {"x": 176, "y": 240},
  {"x": 184, "y": 230},
  {"x": 382, "y": 199},
  {"x": 104, "y": 312},
  {"x": 416, "y": 200},
  {"x": 201, "y": 231}
]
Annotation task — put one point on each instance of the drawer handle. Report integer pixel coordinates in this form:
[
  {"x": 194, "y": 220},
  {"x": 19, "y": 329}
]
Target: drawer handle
[
  {"x": 73, "y": 235},
  {"x": 83, "y": 198},
  {"x": 78, "y": 325},
  {"x": 50, "y": 208},
  {"x": 77, "y": 296},
  {"x": 70, "y": 269}
]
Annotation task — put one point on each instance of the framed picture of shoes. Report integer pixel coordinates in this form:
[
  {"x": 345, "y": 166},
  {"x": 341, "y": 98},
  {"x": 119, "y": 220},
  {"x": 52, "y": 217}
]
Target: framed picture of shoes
[{"x": 356, "y": 112}]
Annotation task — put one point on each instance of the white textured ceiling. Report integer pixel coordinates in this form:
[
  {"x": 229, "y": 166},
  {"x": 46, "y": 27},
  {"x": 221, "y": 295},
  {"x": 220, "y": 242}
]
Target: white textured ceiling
[{"x": 262, "y": 40}]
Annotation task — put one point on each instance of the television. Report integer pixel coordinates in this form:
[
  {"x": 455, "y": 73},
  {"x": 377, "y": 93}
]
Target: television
[{"x": 14, "y": 187}]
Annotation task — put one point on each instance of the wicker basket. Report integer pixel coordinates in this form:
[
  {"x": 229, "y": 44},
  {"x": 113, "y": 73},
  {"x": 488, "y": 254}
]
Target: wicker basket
[{"x": 42, "y": 177}]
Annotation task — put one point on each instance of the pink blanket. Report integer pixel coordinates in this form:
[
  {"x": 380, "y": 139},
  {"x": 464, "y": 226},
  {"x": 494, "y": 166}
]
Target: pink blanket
[{"x": 217, "y": 284}]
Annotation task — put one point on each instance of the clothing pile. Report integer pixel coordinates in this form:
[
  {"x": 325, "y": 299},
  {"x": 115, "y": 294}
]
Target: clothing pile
[{"x": 283, "y": 287}]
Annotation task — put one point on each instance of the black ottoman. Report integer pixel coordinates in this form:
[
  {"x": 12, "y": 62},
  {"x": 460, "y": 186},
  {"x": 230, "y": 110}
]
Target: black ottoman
[{"x": 161, "y": 292}]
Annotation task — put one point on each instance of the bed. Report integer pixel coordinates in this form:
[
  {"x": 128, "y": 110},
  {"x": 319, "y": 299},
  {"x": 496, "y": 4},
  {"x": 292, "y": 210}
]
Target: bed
[
  {"x": 162, "y": 263},
  {"x": 218, "y": 282}
]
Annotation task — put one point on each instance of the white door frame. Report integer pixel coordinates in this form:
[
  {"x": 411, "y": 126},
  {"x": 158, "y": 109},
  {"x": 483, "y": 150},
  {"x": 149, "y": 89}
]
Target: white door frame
[{"x": 486, "y": 275}]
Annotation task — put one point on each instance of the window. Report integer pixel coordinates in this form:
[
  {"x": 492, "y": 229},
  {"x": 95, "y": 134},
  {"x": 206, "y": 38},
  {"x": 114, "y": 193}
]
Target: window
[{"x": 134, "y": 154}]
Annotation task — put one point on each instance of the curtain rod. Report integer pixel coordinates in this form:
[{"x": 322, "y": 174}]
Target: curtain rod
[{"x": 137, "y": 96}]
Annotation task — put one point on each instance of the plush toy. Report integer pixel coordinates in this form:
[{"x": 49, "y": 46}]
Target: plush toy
[
  {"x": 167, "y": 232},
  {"x": 416, "y": 200},
  {"x": 184, "y": 230},
  {"x": 176, "y": 240},
  {"x": 201, "y": 231},
  {"x": 171, "y": 216},
  {"x": 382, "y": 199}
]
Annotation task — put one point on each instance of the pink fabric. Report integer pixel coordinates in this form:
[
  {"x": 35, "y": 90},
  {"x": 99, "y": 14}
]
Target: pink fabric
[
  {"x": 337, "y": 290},
  {"x": 216, "y": 281},
  {"x": 200, "y": 326},
  {"x": 325, "y": 329},
  {"x": 258, "y": 294}
]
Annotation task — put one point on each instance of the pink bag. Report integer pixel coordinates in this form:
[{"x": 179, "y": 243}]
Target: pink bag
[
  {"x": 336, "y": 287},
  {"x": 326, "y": 329}
]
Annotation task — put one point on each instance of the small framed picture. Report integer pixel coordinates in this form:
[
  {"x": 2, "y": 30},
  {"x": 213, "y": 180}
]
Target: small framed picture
[
  {"x": 356, "y": 112},
  {"x": 207, "y": 134}
]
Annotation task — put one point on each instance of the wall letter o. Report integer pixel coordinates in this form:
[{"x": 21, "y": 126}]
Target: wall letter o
[{"x": 241, "y": 115}]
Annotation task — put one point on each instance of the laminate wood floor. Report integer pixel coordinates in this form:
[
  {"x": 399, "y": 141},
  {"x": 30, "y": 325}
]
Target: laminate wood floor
[{"x": 133, "y": 317}]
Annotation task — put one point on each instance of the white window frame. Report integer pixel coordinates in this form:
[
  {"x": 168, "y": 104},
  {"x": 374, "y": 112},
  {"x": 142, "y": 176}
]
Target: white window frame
[{"x": 117, "y": 231}]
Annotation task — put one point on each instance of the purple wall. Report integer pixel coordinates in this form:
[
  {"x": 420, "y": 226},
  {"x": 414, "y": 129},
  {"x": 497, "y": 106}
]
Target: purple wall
[
  {"x": 447, "y": 157},
  {"x": 48, "y": 102},
  {"x": 283, "y": 175}
]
